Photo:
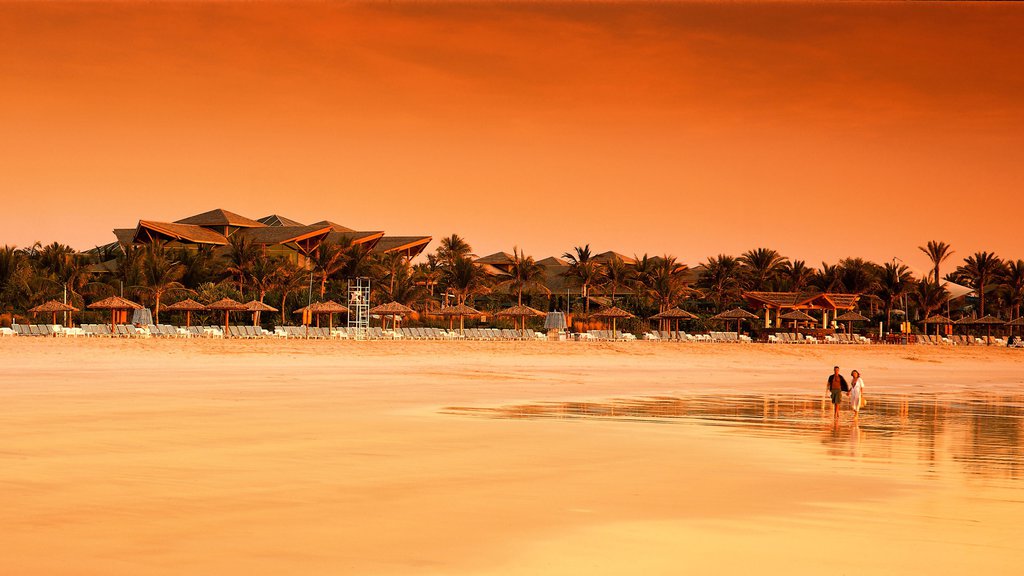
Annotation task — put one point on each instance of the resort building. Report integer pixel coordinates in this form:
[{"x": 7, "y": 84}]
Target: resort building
[{"x": 274, "y": 234}]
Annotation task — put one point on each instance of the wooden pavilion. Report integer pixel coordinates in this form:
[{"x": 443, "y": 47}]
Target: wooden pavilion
[{"x": 775, "y": 304}]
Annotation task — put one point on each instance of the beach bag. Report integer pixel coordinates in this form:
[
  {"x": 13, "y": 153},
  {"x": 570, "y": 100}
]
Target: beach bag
[{"x": 863, "y": 400}]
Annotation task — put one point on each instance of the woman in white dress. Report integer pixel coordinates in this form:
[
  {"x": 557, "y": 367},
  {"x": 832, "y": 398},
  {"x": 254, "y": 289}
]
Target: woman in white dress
[{"x": 856, "y": 392}]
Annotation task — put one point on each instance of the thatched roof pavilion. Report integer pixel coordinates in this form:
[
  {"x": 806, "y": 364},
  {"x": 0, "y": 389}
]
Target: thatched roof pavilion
[{"x": 779, "y": 301}]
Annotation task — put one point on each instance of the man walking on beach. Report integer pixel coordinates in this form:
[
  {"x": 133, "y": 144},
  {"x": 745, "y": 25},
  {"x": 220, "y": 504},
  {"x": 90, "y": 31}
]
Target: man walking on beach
[{"x": 836, "y": 385}]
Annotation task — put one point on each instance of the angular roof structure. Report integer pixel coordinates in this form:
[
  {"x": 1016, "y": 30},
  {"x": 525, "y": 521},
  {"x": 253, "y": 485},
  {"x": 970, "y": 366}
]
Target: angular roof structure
[
  {"x": 278, "y": 220},
  {"x": 148, "y": 231},
  {"x": 802, "y": 300},
  {"x": 411, "y": 245},
  {"x": 496, "y": 259},
  {"x": 220, "y": 217}
]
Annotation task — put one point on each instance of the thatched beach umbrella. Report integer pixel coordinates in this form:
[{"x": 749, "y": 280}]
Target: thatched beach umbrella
[
  {"x": 460, "y": 310},
  {"x": 614, "y": 313},
  {"x": 675, "y": 314},
  {"x": 114, "y": 304},
  {"x": 53, "y": 307},
  {"x": 851, "y": 317},
  {"x": 330, "y": 308},
  {"x": 989, "y": 321},
  {"x": 228, "y": 306},
  {"x": 797, "y": 316},
  {"x": 521, "y": 312},
  {"x": 737, "y": 314},
  {"x": 256, "y": 307},
  {"x": 393, "y": 309},
  {"x": 188, "y": 306},
  {"x": 937, "y": 320}
]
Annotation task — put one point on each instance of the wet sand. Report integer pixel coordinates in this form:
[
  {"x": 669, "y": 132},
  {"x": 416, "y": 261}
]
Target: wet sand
[{"x": 245, "y": 457}]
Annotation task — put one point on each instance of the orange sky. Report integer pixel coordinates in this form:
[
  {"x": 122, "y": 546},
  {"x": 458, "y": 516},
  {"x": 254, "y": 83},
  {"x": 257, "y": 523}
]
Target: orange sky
[{"x": 822, "y": 130}]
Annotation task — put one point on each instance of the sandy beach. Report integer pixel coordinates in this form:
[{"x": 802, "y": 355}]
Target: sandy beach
[{"x": 284, "y": 457}]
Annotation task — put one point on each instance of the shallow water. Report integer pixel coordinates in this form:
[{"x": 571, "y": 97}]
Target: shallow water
[{"x": 930, "y": 436}]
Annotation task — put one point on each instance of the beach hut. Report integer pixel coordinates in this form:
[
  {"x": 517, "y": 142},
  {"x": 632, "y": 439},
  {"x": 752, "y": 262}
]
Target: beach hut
[
  {"x": 674, "y": 314},
  {"x": 851, "y": 317},
  {"x": 115, "y": 304},
  {"x": 797, "y": 316},
  {"x": 460, "y": 310},
  {"x": 613, "y": 313},
  {"x": 737, "y": 314},
  {"x": 520, "y": 312},
  {"x": 937, "y": 320},
  {"x": 188, "y": 306},
  {"x": 53, "y": 307},
  {"x": 393, "y": 309},
  {"x": 228, "y": 306},
  {"x": 255, "y": 306}
]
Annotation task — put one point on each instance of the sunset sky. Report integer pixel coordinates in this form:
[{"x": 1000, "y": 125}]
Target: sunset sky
[{"x": 821, "y": 130}]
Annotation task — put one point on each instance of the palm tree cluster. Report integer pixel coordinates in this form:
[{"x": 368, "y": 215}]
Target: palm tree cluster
[{"x": 156, "y": 273}]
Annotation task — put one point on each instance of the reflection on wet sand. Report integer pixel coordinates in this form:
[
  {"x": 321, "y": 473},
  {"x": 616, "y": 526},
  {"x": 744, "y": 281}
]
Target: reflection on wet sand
[{"x": 978, "y": 434}]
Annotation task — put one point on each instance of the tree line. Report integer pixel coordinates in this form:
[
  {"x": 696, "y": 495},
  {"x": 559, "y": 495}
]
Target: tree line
[{"x": 156, "y": 274}]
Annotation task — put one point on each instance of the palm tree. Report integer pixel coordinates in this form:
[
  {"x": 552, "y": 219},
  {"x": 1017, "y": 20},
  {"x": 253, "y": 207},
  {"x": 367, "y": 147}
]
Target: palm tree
[
  {"x": 428, "y": 273},
  {"x": 893, "y": 283},
  {"x": 1012, "y": 283},
  {"x": 524, "y": 275},
  {"x": 617, "y": 275},
  {"x": 721, "y": 279},
  {"x": 465, "y": 279},
  {"x": 980, "y": 270},
  {"x": 583, "y": 271},
  {"x": 796, "y": 275},
  {"x": 666, "y": 282},
  {"x": 160, "y": 274},
  {"x": 263, "y": 276},
  {"x": 290, "y": 278},
  {"x": 762, "y": 266},
  {"x": 828, "y": 278},
  {"x": 327, "y": 260},
  {"x": 938, "y": 252},
  {"x": 15, "y": 278},
  {"x": 401, "y": 285},
  {"x": 198, "y": 263},
  {"x": 857, "y": 275},
  {"x": 929, "y": 296},
  {"x": 451, "y": 250},
  {"x": 240, "y": 256}
]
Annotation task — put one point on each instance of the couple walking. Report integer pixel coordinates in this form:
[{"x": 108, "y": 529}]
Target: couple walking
[{"x": 836, "y": 385}]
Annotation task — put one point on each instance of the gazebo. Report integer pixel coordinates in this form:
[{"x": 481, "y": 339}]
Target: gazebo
[
  {"x": 780, "y": 301},
  {"x": 115, "y": 304},
  {"x": 674, "y": 314},
  {"x": 255, "y": 306},
  {"x": 737, "y": 314},
  {"x": 460, "y": 310},
  {"x": 53, "y": 307},
  {"x": 613, "y": 313},
  {"x": 521, "y": 312},
  {"x": 393, "y": 309},
  {"x": 228, "y": 306},
  {"x": 188, "y": 306}
]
